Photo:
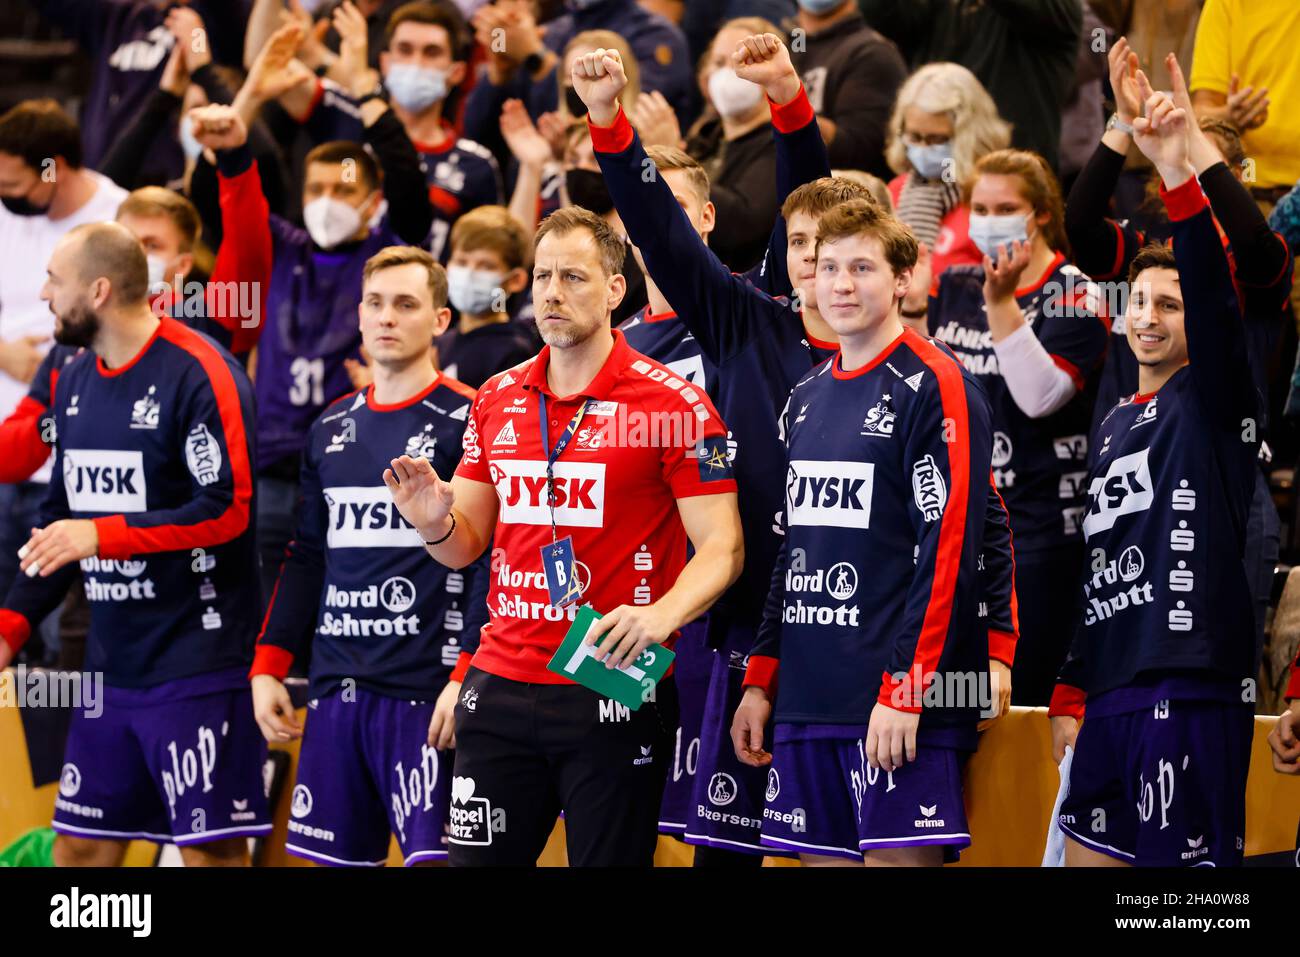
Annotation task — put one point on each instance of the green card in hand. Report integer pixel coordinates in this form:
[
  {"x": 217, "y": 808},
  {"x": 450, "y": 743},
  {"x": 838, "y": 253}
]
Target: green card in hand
[{"x": 631, "y": 686}]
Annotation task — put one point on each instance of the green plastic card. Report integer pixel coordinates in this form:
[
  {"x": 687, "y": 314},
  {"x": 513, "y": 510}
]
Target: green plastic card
[{"x": 631, "y": 686}]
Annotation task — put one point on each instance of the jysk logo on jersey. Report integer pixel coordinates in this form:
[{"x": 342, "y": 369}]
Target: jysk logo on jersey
[
  {"x": 203, "y": 455},
  {"x": 103, "y": 480},
  {"x": 579, "y": 493},
  {"x": 929, "y": 491},
  {"x": 836, "y": 494},
  {"x": 715, "y": 463},
  {"x": 365, "y": 517},
  {"x": 1123, "y": 490}
]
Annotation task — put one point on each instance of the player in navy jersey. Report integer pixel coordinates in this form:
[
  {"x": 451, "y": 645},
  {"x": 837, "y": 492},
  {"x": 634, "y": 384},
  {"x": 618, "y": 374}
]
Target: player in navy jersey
[
  {"x": 873, "y": 613},
  {"x": 530, "y": 741},
  {"x": 309, "y": 324},
  {"x": 1164, "y": 653},
  {"x": 153, "y": 430},
  {"x": 392, "y": 632},
  {"x": 761, "y": 343},
  {"x": 425, "y": 61},
  {"x": 1025, "y": 324}
]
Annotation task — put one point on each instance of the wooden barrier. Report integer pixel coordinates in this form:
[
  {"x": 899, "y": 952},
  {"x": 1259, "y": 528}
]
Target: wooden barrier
[{"x": 1011, "y": 785}]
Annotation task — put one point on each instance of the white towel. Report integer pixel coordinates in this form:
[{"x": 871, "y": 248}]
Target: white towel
[{"x": 1054, "y": 854}]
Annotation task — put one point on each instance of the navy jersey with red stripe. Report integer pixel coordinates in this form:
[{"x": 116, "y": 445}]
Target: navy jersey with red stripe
[
  {"x": 158, "y": 454},
  {"x": 877, "y": 587},
  {"x": 462, "y": 175},
  {"x": 357, "y": 585},
  {"x": 1169, "y": 486},
  {"x": 666, "y": 339},
  {"x": 756, "y": 341},
  {"x": 1039, "y": 465}
]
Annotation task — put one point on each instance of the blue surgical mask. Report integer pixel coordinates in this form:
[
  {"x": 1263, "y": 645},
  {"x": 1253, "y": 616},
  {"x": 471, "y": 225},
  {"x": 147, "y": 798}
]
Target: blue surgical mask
[
  {"x": 189, "y": 144},
  {"x": 818, "y": 7},
  {"x": 474, "y": 292},
  {"x": 990, "y": 232},
  {"x": 929, "y": 161},
  {"x": 415, "y": 88}
]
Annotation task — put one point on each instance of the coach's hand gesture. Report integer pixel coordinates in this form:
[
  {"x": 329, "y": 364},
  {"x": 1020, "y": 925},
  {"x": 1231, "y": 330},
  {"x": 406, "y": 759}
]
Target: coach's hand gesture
[
  {"x": 763, "y": 59},
  {"x": 423, "y": 499},
  {"x": 598, "y": 78}
]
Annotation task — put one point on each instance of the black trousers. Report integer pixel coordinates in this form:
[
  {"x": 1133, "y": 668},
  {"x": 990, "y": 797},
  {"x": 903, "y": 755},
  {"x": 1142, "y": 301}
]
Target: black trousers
[{"x": 526, "y": 752}]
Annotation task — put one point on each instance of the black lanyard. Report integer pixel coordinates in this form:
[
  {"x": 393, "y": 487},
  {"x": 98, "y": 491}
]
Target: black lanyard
[{"x": 553, "y": 454}]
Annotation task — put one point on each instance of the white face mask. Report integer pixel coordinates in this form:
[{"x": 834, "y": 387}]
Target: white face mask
[
  {"x": 192, "y": 147},
  {"x": 331, "y": 221},
  {"x": 474, "y": 292},
  {"x": 731, "y": 95},
  {"x": 157, "y": 273}
]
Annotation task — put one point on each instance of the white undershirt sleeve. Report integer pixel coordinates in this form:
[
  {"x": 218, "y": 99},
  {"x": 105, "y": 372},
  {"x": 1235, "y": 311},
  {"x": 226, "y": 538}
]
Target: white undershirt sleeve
[{"x": 1036, "y": 383}]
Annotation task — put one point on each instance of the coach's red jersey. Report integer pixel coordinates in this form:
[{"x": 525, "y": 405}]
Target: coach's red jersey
[{"x": 647, "y": 438}]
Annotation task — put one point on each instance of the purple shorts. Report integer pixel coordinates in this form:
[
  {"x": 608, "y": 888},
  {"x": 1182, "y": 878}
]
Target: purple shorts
[
  {"x": 1164, "y": 786},
  {"x": 178, "y": 763},
  {"x": 691, "y": 669},
  {"x": 366, "y": 772},
  {"x": 823, "y": 797},
  {"x": 727, "y": 799}
]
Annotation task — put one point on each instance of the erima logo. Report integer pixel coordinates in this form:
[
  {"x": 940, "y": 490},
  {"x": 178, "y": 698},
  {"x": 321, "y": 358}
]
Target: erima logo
[
  {"x": 365, "y": 517},
  {"x": 1198, "y": 848},
  {"x": 579, "y": 493},
  {"x": 1123, "y": 490},
  {"x": 835, "y": 494},
  {"x": 927, "y": 818},
  {"x": 507, "y": 434},
  {"x": 102, "y": 480},
  {"x": 144, "y": 412},
  {"x": 646, "y": 757},
  {"x": 928, "y": 488}
]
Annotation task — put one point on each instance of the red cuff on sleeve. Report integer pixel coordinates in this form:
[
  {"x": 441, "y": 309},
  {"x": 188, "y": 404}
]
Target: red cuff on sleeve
[
  {"x": 462, "y": 666},
  {"x": 614, "y": 138},
  {"x": 112, "y": 531},
  {"x": 271, "y": 660},
  {"x": 1002, "y": 646},
  {"x": 14, "y": 629},
  {"x": 792, "y": 116},
  {"x": 761, "y": 673},
  {"x": 1293, "y": 689},
  {"x": 1185, "y": 201},
  {"x": 901, "y": 695},
  {"x": 1067, "y": 701},
  {"x": 1070, "y": 369}
]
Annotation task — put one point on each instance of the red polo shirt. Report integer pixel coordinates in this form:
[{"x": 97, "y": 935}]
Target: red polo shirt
[{"x": 647, "y": 439}]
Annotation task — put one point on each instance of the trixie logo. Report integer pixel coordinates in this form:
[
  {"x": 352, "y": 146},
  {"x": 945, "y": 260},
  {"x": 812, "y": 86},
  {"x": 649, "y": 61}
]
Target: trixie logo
[
  {"x": 837, "y": 494},
  {"x": 100, "y": 480},
  {"x": 203, "y": 455},
  {"x": 579, "y": 493},
  {"x": 365, "y": 517},
  {"x": 928, "y": 488}
]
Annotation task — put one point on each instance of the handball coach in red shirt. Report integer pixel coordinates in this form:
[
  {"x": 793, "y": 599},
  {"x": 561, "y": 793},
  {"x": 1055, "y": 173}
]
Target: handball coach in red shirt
[{"x": 597, "y": 453}]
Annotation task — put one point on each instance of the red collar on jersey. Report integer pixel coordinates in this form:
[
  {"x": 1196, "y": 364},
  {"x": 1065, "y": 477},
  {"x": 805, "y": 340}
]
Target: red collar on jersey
[
  {"x": 598, "y": 388},
  {"x": 377, "y": 406},
  {"x": 1057, "y": 260}
]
